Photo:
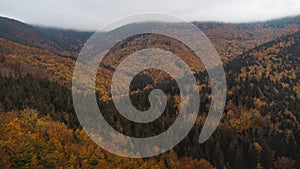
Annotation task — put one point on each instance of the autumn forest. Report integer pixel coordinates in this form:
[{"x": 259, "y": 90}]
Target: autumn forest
[{"x": 260, "y": 126}]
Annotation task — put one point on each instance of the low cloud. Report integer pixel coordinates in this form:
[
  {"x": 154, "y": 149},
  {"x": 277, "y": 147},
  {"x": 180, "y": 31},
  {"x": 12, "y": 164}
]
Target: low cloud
[{"x": 91, "y": 14}]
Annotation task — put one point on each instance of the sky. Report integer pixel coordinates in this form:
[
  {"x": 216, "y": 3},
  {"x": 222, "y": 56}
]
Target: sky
[{"x": 92, "y": 14}]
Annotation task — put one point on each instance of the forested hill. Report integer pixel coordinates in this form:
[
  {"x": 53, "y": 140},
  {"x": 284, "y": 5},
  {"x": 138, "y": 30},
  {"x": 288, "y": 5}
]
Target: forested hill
[
  {"x": 71, "y": 41},
  {"x": 230, "y": 40},
  {"x": 58, "y": 41},
  {"x": 25, "y": 34},
  {"x": 259, "y": 128}
]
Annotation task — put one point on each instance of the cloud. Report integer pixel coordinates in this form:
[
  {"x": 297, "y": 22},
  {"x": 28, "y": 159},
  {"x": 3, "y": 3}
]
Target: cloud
[{"x": 91, "y": 14}]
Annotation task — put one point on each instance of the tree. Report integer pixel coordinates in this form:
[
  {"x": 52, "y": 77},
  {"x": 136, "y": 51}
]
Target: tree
[
  {"x": 239, "y": 160},
  {"x": 292, "y": 146},
  {"x": 266, "y": 156},
  {"x": 218, "y": 156},
  {"x": 2, "y": 58},
  {"x": 284, "y": 163},
  {"x": 204, "y": 164},
  {"x": 172, "y": 159},
  {"x": 254, "y": 156}
]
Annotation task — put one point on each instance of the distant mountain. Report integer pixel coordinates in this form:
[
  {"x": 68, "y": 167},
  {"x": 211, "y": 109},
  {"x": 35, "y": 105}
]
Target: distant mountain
[
  {"x": 231, "y": 40},
  {"x": 58, "y": 41},
  {"x": 283, "y": 21},
  {"x": 69, "y": 40},
  {"x": 276, "y": 23},
  {"x": 27, "y": 35}
]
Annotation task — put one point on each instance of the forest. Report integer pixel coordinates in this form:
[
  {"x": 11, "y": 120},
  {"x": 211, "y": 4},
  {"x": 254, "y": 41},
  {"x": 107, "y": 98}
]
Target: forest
[{"x": 259, "y": 128}]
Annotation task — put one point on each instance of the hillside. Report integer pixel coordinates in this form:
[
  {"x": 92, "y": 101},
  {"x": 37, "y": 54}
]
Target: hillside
[
  {"x": 58, "y": 41},
  {"x": 231, "y": 40},
  {"x": 69, "y": 40},
  {"x": 266, "y": 78},
  {"x": 260, "y": 126},
  {"x": 25, "y": 34}
]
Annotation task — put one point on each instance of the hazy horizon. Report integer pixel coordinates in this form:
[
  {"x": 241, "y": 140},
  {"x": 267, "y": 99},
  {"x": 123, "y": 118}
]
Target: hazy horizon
[
  {"x": 92, "y": 30},
  {"x": 79, "y": 15}
]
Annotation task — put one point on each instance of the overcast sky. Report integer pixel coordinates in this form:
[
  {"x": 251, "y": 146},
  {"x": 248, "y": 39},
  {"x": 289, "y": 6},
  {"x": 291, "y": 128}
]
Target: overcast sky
[{"x": 90, "y": 14}]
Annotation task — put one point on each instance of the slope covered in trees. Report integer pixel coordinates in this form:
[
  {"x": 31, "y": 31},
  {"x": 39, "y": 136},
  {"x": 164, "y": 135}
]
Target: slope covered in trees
[
  {"x": 259, "y": 128},
  {"x": 58, "y": 41},
  {"x": 232, "y": 40},
  {"x": 25, "y": 34},
  {"x": 69, "y": 40},
  {"x": 29, "y": 141}
]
